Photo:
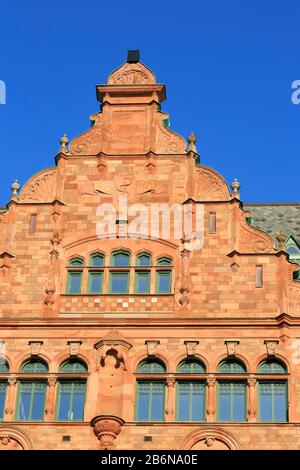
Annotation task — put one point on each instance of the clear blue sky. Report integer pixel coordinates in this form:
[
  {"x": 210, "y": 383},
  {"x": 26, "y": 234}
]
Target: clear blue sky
[{"x": 228, "y": 66}]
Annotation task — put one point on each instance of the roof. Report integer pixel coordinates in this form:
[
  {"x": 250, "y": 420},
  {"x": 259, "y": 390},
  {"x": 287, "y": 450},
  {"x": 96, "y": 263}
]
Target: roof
[{"x": 276, "y": 217}]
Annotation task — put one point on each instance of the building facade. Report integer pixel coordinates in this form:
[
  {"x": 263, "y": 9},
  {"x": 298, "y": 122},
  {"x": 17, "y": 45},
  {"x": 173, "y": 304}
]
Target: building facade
[{"x": 112, "y": 339}]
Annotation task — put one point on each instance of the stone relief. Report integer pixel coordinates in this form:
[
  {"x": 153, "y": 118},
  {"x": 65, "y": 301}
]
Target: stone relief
[{"x": 41, "y": 187}]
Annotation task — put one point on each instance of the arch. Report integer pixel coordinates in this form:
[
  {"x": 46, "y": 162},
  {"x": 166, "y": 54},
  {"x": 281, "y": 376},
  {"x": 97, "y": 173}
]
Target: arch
[
  {"x": 209, "y": 185},
  {"x": 34, "y": 366},
  {"x": 40, "y": 187},
  {"x": 232, "y": 366},
  {"x": 210, "y": 436},
  {"x": 164, "y": 261},
  {"x": 237, "y": 357},
  {"x": 151, "y": 365},
  {"x": 76, "y": 262},
  {"x": 191, "y": 366},
  {"x": 72, "y": 365},
  {"x": 122, "y": 253},
  {"x": 138, "y": 358},
  {"x": 278, "y": 357},
  {"x": 143, "y": 256},
  {"x": 64, "y": 357},
  {"x": 272, "y": 366},
  {"x": 21, "y": 358},
  {"x": 183, "y": 357},
  {"x": 94, "y": 255},
  {"x": 13, "y": 433}
]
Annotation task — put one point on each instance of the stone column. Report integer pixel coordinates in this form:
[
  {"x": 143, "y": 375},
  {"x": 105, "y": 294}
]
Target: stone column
[
  {"x": 170, "y": 401},
  {"x": 10, "y": 399},
  {"x": 107, "y": 428},
  {"x": 211, "y": 399},
  {"x": 50, "y": 399},
  {"x": 252, "y": 414}
]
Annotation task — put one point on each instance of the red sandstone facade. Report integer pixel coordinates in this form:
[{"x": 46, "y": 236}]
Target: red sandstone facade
[{"x": 233, "y": 298}]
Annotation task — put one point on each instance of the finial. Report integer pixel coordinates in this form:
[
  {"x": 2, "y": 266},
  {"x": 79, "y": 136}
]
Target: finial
[
  {"x": 15, "y": 188},
  {"x": 236, "y": 186},
  {"x": 192, "y": 139},
  {"x": 281, "y": 237},
  {"x": 63, "y": 143}
]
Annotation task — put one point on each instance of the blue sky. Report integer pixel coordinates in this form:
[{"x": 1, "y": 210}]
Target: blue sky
[{"x": 228, "y": 67}]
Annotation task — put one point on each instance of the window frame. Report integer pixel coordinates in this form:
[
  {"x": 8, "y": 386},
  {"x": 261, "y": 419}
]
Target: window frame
[
  {"x": 58, "y": 398},
  {"x": 33, "y": 382},
  {"x": 150, "y": 382},
  {"x": 272, "y": 383},
  {"x": 190, "y": 382},
  {"x": 231, "y": 382}
]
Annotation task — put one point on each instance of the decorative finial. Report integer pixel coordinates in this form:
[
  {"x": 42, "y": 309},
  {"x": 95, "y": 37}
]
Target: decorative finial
[
  {"x": 15, "y": 188},
  {"x": 63, "y": 143},
  {"x": 236, "y": 186},
  {"x": 281, "y": 237},
  {"x": 192, "y": 139}
]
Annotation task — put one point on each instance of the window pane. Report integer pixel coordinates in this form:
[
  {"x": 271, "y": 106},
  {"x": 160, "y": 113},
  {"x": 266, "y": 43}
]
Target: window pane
[
  {"x": 157, "y": 409},
  {"x": 64, "y": 401},
  {"x": 198, "y": 400},
  {"x": 24, "y": 400},
  {"x": 78, "y": 401},
  {"x": 38, "y": 401},
  {"x": 121, "y": 259},
  {"x": 265, "y": 401},
  {"x": 142, "y": 282},
  {"x": 73, "y": 367},
  {"x": 151, "y": 367},
  {"x": 231, "y": 367},
  {"x": 34, "y": 367},
  {"x": 271, "y": 367},
  {"x": 144, "y": 260},
  {"x": 2, "y": 398},
  {"x": 183, "y": 390},
  {"x": 280, "y": 406},
  {"x": 143, "y": 401},
  {"x": 163, "y": 282},
  {"x": 190, "y": 367},
  {"x": 76, "y": 262},
  {"x": 239, "y": 402},
  {"x": 95, "y": 282},
  {"x": 224, "y": 401},
  {"x": 97, "y": 261},
  {"x": 164, "y": 262},
  {"x": 119, "y": 282},
  {"x": 3, "y": 366},
  {"x": 74, "y": 284}
]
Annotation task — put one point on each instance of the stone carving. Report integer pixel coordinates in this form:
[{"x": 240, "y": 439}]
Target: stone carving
[
  {"x": 168, "y": 141},
  {"x": 131, "y": 74},
  {"x": 35, "y": 347},
  {"x": 252, "y": 239},
  {"x": 90, "y": 142},
  {"x": 41, "y": 187},
  {"x": 191, "y": 347},
  {"x": 152, "y": 347},
  {"x": 74, "y": 347},
  {"x": 171, "y": 382},
  {"x": 13, "y": 438},
  {"x": 293, "y": 299},
  {"x": 54, "y": 255},
  {"x": 271, "y": 346},
  {"x": 208, "y": 185},
  {"x": 235, "y": 267},
  {"x": 106, "y": 429},
  {"x": 113, "y": 344},
  {"x": 209, "y": 438},
  {"x": 231, "y": 344}
]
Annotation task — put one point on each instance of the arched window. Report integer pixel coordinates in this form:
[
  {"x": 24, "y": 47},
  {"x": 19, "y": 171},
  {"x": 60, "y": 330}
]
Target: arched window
[
  {"x": 119, "y": 278},
  {"x": 190, "y": 393},
  {"x": 71, "y": 392},
  {"x": 74, "y": 278},
  {"x": 150, "y": 392},
  {"x": 4, "y": 369},
  {"x": 32, "y": 392},
  {"x": 95, "y": 276},
  {"x": 231, "y": 393},
  {"x": 142, "y": 276},
  {"x": 272, "y": 393},
  {"x": 143, "y": 259},
  {"x": 163, "y": 276}
]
